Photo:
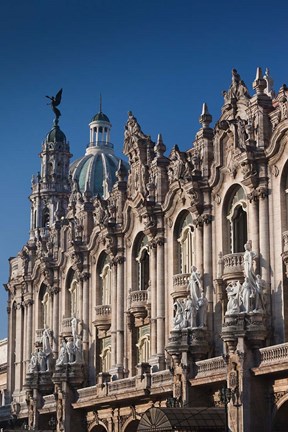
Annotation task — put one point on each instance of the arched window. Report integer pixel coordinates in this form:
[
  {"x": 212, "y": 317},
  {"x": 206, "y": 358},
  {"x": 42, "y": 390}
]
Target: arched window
[
  {"x": 143, "y": 344},
  {"x": 142, "y": 260},
  {"x": 237, "y": 219},
  {"x": 46, "y": 217},
  {"x": 185, "y": 244},
  {"x": 74, "y": 298},
  {"x": 105, "y": 354},
  {"x": 44, "y": 307},
  {"x": 104, "y": 280}
]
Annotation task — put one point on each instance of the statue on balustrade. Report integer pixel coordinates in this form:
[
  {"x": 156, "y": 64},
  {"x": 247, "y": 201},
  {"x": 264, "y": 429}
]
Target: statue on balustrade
[
  {"x": 250, "y": 296},
  {"x": 192, "y": 311},
  {"x": 63, "y": 355}
]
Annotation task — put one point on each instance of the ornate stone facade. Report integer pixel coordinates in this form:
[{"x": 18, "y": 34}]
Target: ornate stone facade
[{"x": 135, "y": 290}]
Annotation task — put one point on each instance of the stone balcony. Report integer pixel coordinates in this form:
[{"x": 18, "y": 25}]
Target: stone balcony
[
  {"x": 66, "y": 327},
  {"x": 103, "y": 317},
  {"x": 272, "y": 359},
  {"x": 180, "y": 284},
  {"x": 233, "y": 267},
  {"x": 139, "y": 301}
]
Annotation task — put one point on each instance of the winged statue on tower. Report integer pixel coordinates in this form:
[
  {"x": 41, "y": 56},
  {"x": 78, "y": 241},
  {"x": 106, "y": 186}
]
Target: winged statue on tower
[{"x": 55, "y": 101}]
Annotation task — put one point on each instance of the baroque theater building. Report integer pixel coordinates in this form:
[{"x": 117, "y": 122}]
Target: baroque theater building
[{"x": 152, "y": 294}]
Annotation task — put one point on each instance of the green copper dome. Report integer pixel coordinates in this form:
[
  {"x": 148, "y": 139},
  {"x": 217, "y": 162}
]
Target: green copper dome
[
  {"x": 96, "y": 171},
  {"x": 56, "y": 135},
  {"x": 100, "y": 117}
]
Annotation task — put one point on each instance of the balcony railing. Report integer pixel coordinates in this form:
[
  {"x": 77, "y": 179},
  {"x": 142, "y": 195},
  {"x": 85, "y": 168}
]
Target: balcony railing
[
  {"x": 103, "y": 317},
  {"x": 233, "y": 266},
  {"x": 274, "y": 354},
  {"x": 211, "y": 366},
  {"x": 138, "y": 303},
  {"x": 180, "y": 284}
]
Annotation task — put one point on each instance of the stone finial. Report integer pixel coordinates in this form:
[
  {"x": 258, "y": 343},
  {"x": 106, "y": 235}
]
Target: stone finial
[
  {"x": 160, "y": 147},
  {"x": 269, "y": 90},
  {"x": 205, "y": 118},
  {"x": 259, "y": 83}
]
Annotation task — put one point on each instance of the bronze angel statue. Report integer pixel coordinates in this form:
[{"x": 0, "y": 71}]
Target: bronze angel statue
[{"x": 55, "y": 101}]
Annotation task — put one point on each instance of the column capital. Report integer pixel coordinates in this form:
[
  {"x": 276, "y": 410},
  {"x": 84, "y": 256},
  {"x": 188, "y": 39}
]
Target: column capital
[
  {"x": 84, "y": 276},
  {"x": 28, "y": 302},
  {"x": 261, "y": 192},
  {"x": 203, "y": 219}
]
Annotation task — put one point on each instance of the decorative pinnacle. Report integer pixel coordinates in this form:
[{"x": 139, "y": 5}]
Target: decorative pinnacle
[
  {"x": 100, "y": 107},
  {"x": 205, "y": 118},
  {"x": 260, "y": 83},
  {"x": 159, "y": 146},
  {"x": 121, "y": 171}
]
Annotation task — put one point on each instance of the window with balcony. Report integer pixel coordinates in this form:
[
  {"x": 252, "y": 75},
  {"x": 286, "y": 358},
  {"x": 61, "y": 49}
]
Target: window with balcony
[
  {"x": 185, "y": 243},
  {"x": 143, "y": 344},
  {"x": 237, "y": 221},
  {"x": 142, "y": 264},
  {"x": 104, "y": 280},
  {"x": 105, "y": 354}
]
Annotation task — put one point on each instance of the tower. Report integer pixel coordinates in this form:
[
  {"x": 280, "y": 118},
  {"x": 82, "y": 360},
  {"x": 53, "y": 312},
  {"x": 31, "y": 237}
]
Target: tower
[{"x": 50, "y": 188}]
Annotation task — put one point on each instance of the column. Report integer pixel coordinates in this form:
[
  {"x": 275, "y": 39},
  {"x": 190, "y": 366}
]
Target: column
[
  {"x": 18, "y": 345},
  {"x": 85, "y": 277},
  {"x": 113, "y": 312},
  {"x": 29, "y": 308},
  {"x": 160, "y": 299},
  {"x": 253, "y": 222},
  {"x": 55, "y": 320},
  {"x": 198, "y": 262},
  {"x": 120, "y": 312},
  {"x": 207, "y": 270},
  {"x": 153, "y": 298},
  {"x": 264, "y": 248}
]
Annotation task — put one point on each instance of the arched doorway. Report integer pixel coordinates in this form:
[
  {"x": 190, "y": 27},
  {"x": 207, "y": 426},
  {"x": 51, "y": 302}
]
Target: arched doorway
[
  {"x": 98, "y": 428},
  {"x": 280, "y": 419},
  {"x": 132, "y": 426}
]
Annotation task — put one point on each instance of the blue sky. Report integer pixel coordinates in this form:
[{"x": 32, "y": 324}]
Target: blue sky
[{"x": 159, "y": 58}]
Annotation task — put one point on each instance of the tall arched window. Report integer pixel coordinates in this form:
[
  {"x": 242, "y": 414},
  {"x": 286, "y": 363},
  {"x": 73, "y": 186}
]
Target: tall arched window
[
  {"x": 105, "y": 354},
  {"x": 104, "y": 280},
  {"x": 143, "y": 344},
  {"x": 237, "y": 221},
  {"x": 44, "y": 307},
  {"x": 185, "y": 243},
  {"x": 142, "y": 264},
  {"x": 74, "y": 298}
]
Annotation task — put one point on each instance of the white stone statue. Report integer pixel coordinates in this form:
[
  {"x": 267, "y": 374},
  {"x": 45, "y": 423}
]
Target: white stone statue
[
  {"x": 202, "y": 310},
  {"x": 46, "y": 347},
  {"x": 78, "y": 350},
  {"x": 260, "y": 303},
  {"x": 74, "y": 327},
  {"x": 178, "y": 319},
  {"x": 194, "y": 284},
  {"x": 42, "y": 361},
  {"x": 247, "y": 295},
  {"x": 249, "y": 258},
  {"x": 63, "y": 355},
  {"x": 233, "y": 293},
  {"x": 70, "y": 350},
  {"x": 33, "y": 364},
  {"x": 191, "y": 308}
]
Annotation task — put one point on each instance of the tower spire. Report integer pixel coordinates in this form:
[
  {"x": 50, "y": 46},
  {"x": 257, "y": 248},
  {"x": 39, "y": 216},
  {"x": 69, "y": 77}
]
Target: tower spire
[{"x": 100, "y": 103}]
